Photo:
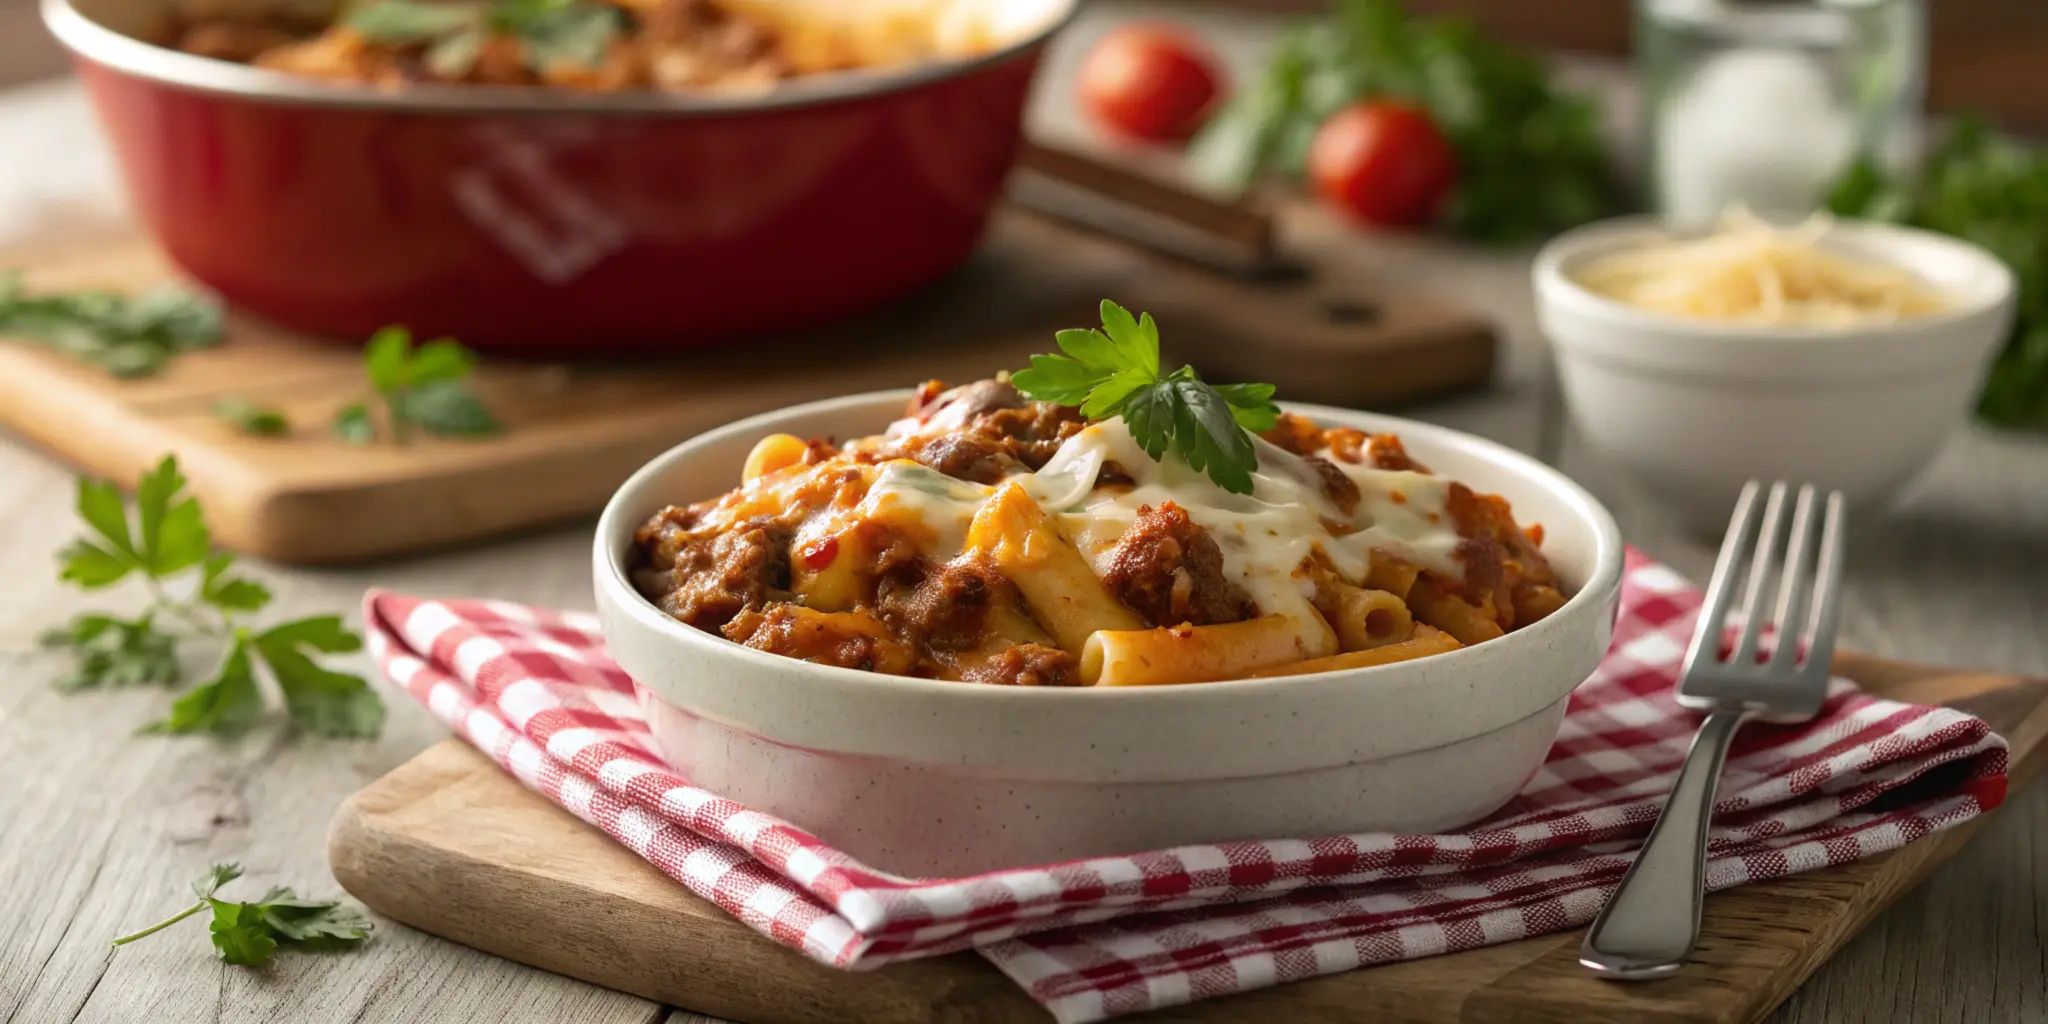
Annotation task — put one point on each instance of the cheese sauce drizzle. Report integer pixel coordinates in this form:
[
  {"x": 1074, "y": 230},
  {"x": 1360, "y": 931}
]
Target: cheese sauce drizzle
[{"x": 1264, "y": 536}]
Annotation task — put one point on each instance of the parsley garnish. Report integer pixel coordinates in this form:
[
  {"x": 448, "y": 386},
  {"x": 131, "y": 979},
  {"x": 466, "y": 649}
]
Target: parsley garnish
[
  {"x": 250, "y": 418},
  {"x": 424, "y": 387},
  {"x": 552, "y": 32},
  {"x": 127, "y": 337},
  {"x": 168, "y": 541},
  {"x": 1115, "y": 371},
  {"x": 248, "y": 933}
]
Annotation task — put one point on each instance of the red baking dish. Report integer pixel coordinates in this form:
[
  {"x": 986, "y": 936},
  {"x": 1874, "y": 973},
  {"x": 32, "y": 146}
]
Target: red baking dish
[{"x": 534, "y": 221}]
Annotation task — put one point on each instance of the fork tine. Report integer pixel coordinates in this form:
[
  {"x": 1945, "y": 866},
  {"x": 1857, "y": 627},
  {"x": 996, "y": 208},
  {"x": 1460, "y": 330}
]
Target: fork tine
[
  {"x": 1706, "y": 637},
  {"x": 1759, "y": 576},
  {"x": 1796, "y": 581},
  {"x": 1827, "y": 594}
]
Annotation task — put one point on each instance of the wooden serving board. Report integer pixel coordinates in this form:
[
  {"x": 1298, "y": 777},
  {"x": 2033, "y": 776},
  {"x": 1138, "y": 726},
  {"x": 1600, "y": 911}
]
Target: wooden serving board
[
  {"x": 450, "y": 844},
  {"x": 1338, "y": 336}
]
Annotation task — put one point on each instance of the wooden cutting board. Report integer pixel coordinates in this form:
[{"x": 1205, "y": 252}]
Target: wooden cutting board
[
  {"x": 1337, "y": 335},
  {"x": 452, "y": 845}
]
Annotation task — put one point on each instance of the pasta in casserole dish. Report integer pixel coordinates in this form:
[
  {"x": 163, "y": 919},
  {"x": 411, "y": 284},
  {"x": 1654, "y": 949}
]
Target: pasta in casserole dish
[{"x": 988, "y": 538}]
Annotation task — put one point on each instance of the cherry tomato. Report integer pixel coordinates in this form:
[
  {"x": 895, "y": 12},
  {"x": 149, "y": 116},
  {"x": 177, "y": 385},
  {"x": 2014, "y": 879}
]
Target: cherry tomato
[
  {"x": 1383, "y": 163},
  {"x": 1148, "y": 81}
]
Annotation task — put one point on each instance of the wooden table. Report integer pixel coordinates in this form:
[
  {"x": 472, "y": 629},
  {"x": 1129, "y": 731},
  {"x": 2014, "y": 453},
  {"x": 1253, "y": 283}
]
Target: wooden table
[{"x": 100, "y": 831}]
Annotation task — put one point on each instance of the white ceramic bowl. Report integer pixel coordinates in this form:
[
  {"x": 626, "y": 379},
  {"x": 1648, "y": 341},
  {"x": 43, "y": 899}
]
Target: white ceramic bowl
[
  {"x": 1692, "y": 409},
  {"x": 934, "y": 778}
]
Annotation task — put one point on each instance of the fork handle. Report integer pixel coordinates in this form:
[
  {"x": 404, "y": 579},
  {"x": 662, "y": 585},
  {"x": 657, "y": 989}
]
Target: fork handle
[{"x": 1649, "y": 926}]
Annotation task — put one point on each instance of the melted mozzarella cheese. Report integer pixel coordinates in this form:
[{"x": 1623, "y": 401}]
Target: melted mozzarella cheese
[{"x": 1264, "y": 536}]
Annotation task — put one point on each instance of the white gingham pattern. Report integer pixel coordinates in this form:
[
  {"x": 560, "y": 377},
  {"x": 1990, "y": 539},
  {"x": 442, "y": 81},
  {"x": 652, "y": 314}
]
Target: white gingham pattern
[{"x": 1092, "y": 939}]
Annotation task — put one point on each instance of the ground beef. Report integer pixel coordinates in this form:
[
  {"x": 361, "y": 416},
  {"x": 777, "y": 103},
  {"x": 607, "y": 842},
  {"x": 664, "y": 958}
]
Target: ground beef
[
  {"x": 236, "y": 41},
  {"x": 890, "y": 554},
  {"x": 848, "y": 639},
  {"x": 982, "y": 431},
  {"x": 1029, "y": 665},
  {"x": 945, "y": 608},
  {"x": 944, "y": 409},
  {"x": 1381, "y": 451},
  {"x": 1169, "y": 570},
  {"x": 1343, "y": 490},
  {"x": 1034, "y": 432},
  {"x": 1296, "y": 434},
  {"x": 966, "y": 456},
  {"x": 709, "y": 580}
]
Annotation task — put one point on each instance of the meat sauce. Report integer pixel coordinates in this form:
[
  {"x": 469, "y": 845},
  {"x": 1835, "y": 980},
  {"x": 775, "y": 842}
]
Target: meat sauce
[
  {"x": 817, "y": 561},
  {"x": 585, "y": 45}
]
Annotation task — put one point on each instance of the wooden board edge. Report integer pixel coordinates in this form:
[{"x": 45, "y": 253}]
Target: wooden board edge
[
  {"x": 965, "y": 981},
  {"x": 370, "y": 860}
]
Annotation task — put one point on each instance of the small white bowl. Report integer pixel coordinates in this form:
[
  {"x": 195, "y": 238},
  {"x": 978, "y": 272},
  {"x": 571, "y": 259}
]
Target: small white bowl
[
  {"x": 925, "y": 777},
  {"x": 1692, "y": 409}
]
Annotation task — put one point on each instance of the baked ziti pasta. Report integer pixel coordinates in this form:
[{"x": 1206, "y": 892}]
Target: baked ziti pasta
[
  {"x": 680, "y": 46},
  {"x": 987, "y": 538}
]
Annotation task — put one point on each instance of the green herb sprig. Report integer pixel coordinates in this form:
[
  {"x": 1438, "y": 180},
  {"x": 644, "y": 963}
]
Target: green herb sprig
[
  {"x": 248, "y": 934},
  {"x": 165, "y": 544},
  {"x": 552, "y": 32},
  {"x": 1115, "y": 372},
  {"x": 127, "y": 337},
  {"x": 1994, "y": 192},
  {"x": 425, "y": 388},
  {"x": 252, "y": 419},
  {"x": 1531, "y": 160}
]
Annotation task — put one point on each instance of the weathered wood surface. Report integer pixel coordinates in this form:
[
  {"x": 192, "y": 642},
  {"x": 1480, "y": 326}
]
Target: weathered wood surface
[{"x": 100, "y": 831}]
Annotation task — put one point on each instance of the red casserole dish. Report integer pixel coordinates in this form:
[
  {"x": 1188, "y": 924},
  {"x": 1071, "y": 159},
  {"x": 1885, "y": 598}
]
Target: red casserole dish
[{"x": 532, "y": 221}]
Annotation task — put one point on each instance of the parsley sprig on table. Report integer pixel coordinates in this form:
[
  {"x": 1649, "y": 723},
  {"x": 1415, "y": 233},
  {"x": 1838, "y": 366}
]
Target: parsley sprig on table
[
  {"x": 552, "y": 32},
  {"x": 425, "y": 387},
  {"x": 251, "y": 418},
  {"x": 127, "y": 337},
  {"x": 164, "y": 545},
  {"x": 248, "y": 933},
  {"x": 1115, "y": 372}
]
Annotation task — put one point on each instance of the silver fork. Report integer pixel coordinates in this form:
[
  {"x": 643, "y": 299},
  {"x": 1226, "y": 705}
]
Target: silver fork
[{"x": 1649, "y": 927}]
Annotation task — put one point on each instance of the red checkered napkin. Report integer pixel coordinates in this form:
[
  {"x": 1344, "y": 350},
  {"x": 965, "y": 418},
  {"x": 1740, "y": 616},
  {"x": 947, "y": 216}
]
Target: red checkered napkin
[{"x": 1092, "y": 939}]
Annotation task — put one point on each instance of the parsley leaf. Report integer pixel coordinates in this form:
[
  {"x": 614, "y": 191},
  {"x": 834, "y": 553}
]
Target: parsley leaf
[
  {"x": 91, "y": 566},
  {"x": 248, "y": 934},
  {"x": 353, "y": 424},
  {"x": 107, "y": 651},
  {"x": 229, "y": 593},
  {"x": 576, "y": 35},
  {"x": 322, "y": 702},
  {"x": 447, "y": 408},
  {"x": 1115, "y": 372},
  {"x": 551, "y": 32},
  {"x": 174, "y": 535},
  {"x": 225, "y": 705},
  {"x": 127, "y": 337},
  {"x": 1251, "y": 405},
  {"x": 168, "y": 539},
  {"x": 425, "y": 388},
  {"x": 240, "y": 934},
  {"x": 407, "y": 21},
  {"x": 252, "y": 419}
]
